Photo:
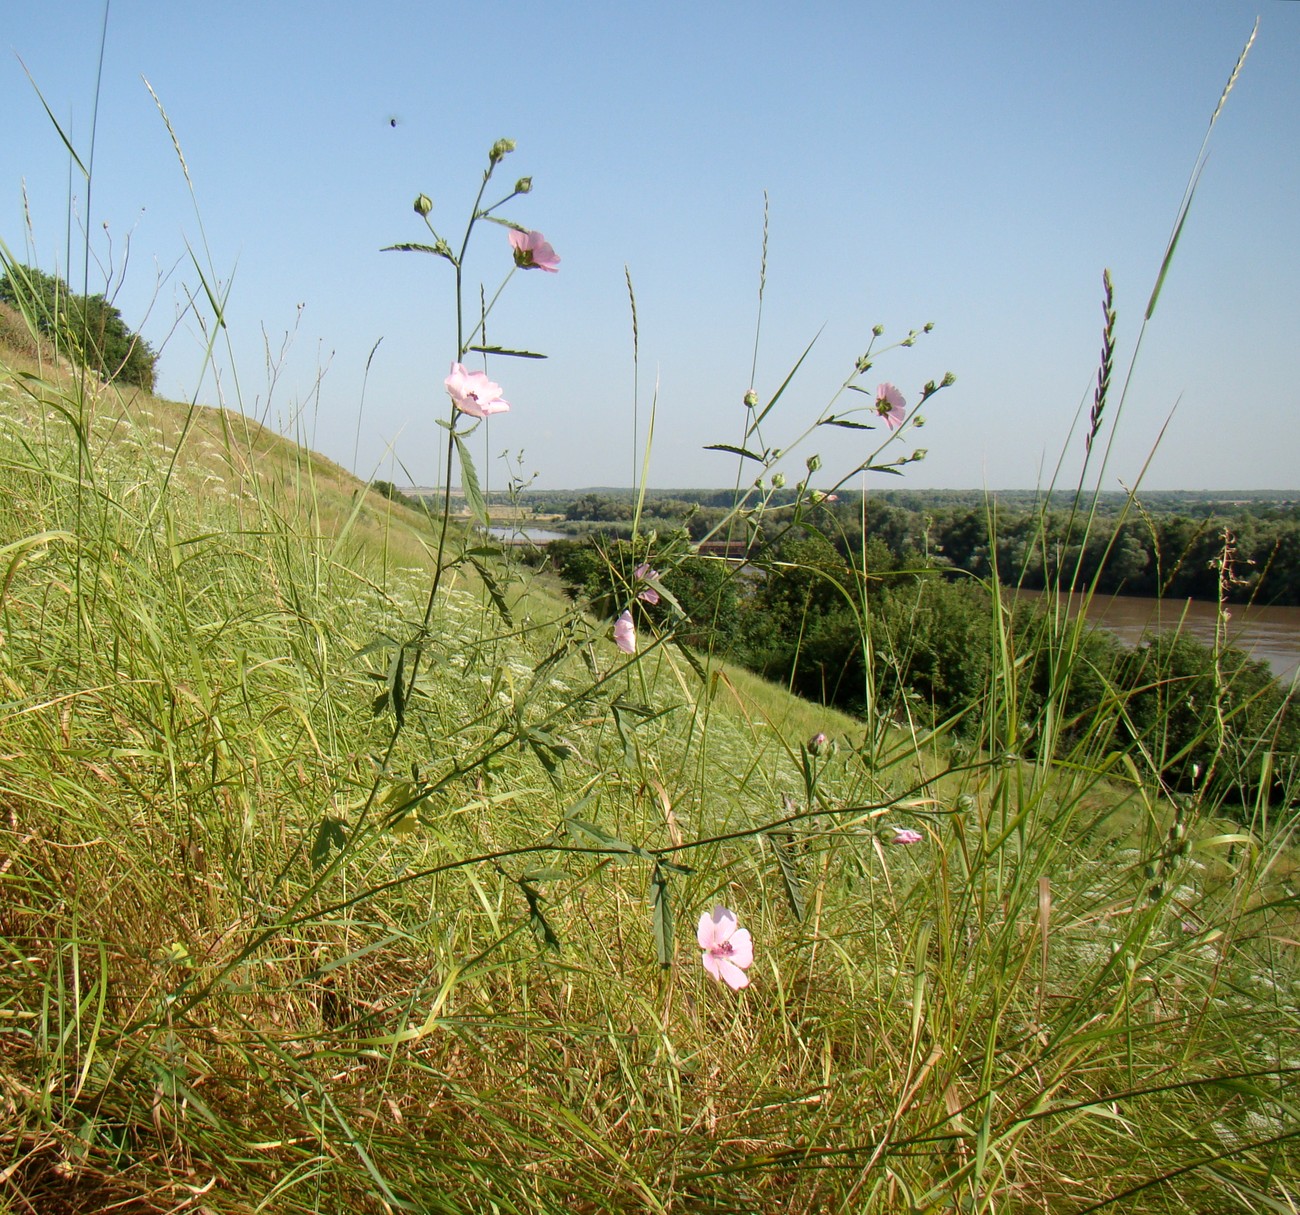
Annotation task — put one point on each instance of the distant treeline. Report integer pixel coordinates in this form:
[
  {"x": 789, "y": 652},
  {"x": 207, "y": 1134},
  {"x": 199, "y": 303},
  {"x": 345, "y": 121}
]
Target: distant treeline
[{"x": 1179, "y": 545}]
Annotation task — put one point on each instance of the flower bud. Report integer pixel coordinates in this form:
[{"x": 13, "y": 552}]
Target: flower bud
[
  {"x": 778, "y": 480},
  {"x": 501, "y": 149},
  {"x": 813, "y": 463},
  {"x": 751, "y": 399},
  {"x": 948, "y": 379},
  {"x": 877, "y": 330},
  {"x": 524, "y": 185},
  {"x": 928, "y": 327},
  {"x": 423, "y": 204}
]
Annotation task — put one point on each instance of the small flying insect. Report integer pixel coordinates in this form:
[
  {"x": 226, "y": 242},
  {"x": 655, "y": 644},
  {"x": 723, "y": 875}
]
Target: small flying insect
[{"x": 393, "y": 120}]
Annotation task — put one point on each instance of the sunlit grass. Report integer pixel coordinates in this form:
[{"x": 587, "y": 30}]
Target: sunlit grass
[
  {"x": 321, "y": 891},
  {"x": 1006, "y": 1016}
]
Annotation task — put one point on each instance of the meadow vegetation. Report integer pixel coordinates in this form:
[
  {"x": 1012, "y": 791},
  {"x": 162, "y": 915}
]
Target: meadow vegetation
[{"x": 344, "y": 866}]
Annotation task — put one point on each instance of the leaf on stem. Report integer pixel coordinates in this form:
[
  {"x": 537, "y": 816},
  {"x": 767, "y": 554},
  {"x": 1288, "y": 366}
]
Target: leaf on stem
[
  {"x": 787, "y": 860},
  {"x": 536, "y": 920},
  {"x": 514, "y": 354},
  {"x": 661, "y": 911},
  {"x": 469, "y": 483},
  {"x": 736, "y": 451},
  {"x": 330, "y": 835}
]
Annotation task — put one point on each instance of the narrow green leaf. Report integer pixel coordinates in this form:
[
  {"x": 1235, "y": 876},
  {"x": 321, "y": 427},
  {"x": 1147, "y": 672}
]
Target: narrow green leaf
[
  {"x": 784, "y": 383},
  {"x": 547, "y": 875},
  {"x": 691, "y": 659},
  {"x": 846, "y": 423},
  {"x": 787, "y": 860},
  {"x": 67, "y": 143},
  {"x": 330, "y": 835},
  {"x": 510, "y": 354},
  {"x": 542, "y": 929},
  {"x": 409, "y": 247},
  {"x": 396, "y": 690},
  {"x": 493, "y": 589},
  {"x": 661, "y": 910},
  {"x": 382, "y": 642},
  {"x": 602, "y": 838},
  {"x": 629, "y": 747},
  {"x": 469, "y": 483},
  {"x": 735, "y": 451},
  {"x": 880, "y": 468}
]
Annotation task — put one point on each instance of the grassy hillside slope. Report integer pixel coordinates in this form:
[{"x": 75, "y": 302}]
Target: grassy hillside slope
[{"x": 260, "y": 952}]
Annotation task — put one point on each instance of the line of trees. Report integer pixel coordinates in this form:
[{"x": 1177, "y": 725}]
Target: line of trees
[{"x": 1174, "y": 548}]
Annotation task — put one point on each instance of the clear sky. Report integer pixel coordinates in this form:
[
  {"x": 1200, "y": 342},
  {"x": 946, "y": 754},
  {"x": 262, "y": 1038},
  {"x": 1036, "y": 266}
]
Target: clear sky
[{"x": 973, "y": 165}]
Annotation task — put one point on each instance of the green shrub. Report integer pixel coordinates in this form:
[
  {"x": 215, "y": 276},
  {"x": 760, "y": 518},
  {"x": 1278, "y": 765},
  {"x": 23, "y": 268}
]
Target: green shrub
[
  {"x": 87, "y": 328},
  {"x": 1226, "y": 724}
]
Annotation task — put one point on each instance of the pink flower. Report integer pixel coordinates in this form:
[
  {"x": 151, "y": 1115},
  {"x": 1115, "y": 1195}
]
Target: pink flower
[
  {"x": 890, "y": 405},
  {"x": 533, "y": 252},
  {"x": 473, "y": 393},
  {"x": 817, "y": 742},
  {"x": 642, "y": 572},
  {"x": 905, "y": 835},
  {"x": 625, "y": 633},
  {"x": 728, "y": 949}
]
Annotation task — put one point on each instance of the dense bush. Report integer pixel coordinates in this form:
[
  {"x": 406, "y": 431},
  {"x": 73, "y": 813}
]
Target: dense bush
[
  {"x": 602, "y": 571},
  {"x": 1222, "y": 722},
  {"x": 87, "y": 328}
]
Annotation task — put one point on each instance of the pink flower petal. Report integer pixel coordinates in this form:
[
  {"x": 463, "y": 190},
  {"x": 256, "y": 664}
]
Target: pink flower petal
[
  {"x": 716, "y": 927},
  {"x": 728, "y": 948},
  {"x": 533, "y": 252},
  {"x": 890, "y": 405},
  {"x": 473, "y": 393},
  {"x": 625, "y": 633},
  {"x": 742, "y": 948},
  {"x": 730, "y": 973},
  {"x": 647, "y": 594}
]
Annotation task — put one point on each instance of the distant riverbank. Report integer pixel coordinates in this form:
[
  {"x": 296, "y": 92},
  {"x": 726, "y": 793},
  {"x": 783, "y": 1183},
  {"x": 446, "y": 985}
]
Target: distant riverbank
[{"x": 1268, "y": 634}]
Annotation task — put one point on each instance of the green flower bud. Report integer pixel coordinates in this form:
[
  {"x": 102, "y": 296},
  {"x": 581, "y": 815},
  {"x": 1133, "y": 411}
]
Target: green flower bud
[
  {"x": 813, "y": 463},
  {"x": 948, "y": 379},
  {"x": 524, "y": 185},
  {"x": 778, "y": 480},
  {"x": 501, "y": 149},
  {"x": 751, "y": 399},
  {"x": 423, "y": 204},
  {"x": 877, "y": 330}
]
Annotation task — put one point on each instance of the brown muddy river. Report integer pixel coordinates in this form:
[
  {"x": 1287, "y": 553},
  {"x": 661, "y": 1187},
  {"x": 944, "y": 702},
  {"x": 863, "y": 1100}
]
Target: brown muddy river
[{"x": 1269, "y": 634}]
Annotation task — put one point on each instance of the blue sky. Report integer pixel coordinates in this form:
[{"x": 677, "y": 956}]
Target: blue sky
[{"x": 974, "y": 166}]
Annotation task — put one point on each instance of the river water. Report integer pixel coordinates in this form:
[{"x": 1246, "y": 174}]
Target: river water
[
  {"x": 1269, "y": 634},
  {"x": 514, "y": 535}
]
